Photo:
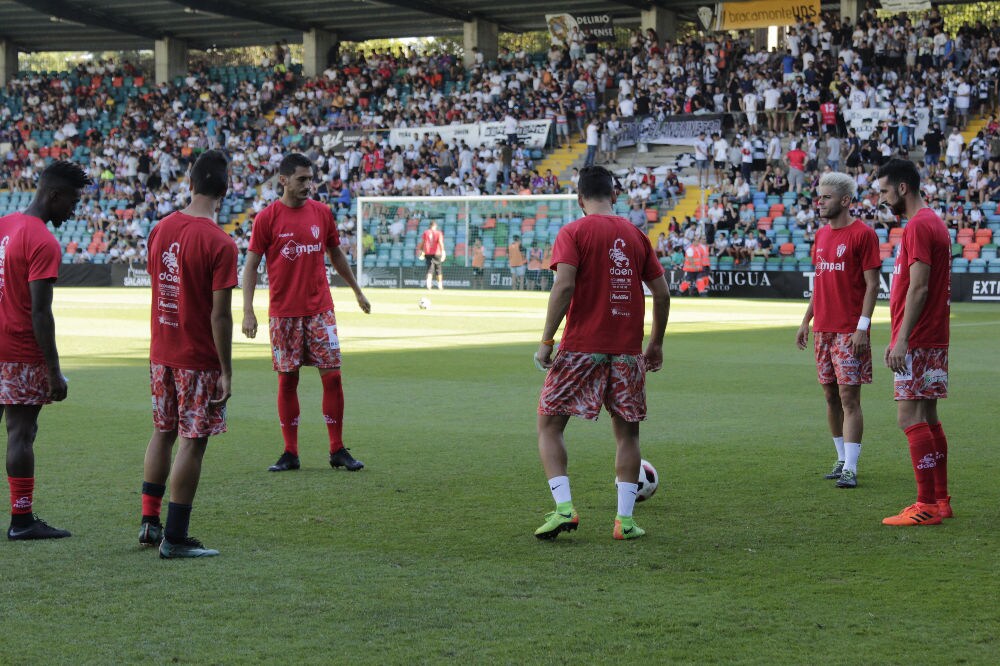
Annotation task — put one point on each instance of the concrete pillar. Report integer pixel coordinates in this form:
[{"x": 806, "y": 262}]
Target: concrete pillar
[
  {"x": 315, "y": 46},
  {"x": 170, "y": 59},
  {"x": 483, "y": 36},
  {"x": 8, "y": 61},
  {"x": 663, "y": 21},
  {"x": 850, "y": 9}
]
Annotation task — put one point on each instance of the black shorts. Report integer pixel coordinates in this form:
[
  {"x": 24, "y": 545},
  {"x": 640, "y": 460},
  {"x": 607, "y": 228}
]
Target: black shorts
[
  {"x": 433, "y": 264},
  {"x": 720, "y": 164}
]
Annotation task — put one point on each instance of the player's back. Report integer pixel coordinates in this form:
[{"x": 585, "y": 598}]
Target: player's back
[
  {"x": 189, "y": 258},
  {"x": 613, "y": 258}
]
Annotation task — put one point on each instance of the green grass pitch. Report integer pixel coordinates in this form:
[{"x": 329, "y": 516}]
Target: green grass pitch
[{"x": 427, "y": 556}]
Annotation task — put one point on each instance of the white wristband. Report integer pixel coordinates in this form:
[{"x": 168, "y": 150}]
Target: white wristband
[{"x": 864, "y": 323}]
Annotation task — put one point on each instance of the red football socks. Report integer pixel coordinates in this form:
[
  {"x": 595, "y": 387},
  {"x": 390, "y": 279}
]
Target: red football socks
[
  {"x": 21, "y": 492},
  {"x": 940, "y": 460},
  {"x": 333, "y": 409},
  {"x": 922, "y": 456},
  {"x": 152, "y": 499},
  {"x": 288, "y": 410}
]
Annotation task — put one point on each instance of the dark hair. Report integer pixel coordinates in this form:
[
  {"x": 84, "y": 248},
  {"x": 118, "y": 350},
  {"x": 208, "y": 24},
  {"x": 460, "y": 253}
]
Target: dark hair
[
  {"x": 208, "y": 175},
  {"x": 63, "y": 175},
  {"x": 897, "y": 171},
  {"x": 596, "y": 182},
  {"x": 293, "y": 161}
]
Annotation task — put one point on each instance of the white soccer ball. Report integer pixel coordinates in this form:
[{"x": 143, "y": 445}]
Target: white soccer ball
[
  {"x": 424, "y": 303},
  {"x": 649, "y": 481}
]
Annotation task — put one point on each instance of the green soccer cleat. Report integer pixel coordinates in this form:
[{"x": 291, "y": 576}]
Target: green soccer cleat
[
  {"x": 625, "y": 528},
  {"x": 837, "y": 470},
  {"x": 557, "y": 522},
  {"x": 187, "y": 548},
  {"x": 848, "y": 479}
]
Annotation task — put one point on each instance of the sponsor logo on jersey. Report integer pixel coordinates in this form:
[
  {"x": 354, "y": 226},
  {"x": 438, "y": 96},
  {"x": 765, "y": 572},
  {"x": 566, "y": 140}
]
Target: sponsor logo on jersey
[
  {"x": 293, "y": 250},
  {"x": 171, "y": 263},
  {"x": 618, "y": 256}
]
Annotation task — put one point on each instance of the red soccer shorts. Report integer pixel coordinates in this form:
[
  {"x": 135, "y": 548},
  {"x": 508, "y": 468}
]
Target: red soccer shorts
[
  {"x": 24, "y": 383},
  {"x": 836, "y": 364},
  {"x": 926, "y": 377},
  {"x": 180, "y": 401},
  {"x": 578, "y": 384},
  {"x": 298, "y": 341}
]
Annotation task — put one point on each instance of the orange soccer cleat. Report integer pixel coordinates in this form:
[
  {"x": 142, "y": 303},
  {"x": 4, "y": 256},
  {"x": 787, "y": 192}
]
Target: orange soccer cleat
[
  {"x": 915, "y": 514},
  {"x": 944, "y": 507}
]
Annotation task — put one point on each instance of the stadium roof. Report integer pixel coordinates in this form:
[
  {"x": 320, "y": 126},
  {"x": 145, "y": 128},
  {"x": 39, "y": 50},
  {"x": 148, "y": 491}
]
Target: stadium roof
[{"x": 112, "y": 25}]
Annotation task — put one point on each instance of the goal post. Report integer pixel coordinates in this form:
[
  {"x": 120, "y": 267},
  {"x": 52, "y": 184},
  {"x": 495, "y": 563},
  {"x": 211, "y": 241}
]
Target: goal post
[{"x": 389, "y": 231}]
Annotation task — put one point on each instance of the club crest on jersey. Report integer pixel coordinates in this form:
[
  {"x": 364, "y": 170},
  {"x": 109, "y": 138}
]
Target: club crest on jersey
[
  {"x": 841, "y": 249},
  {"x": 315, "y": 230},
  {"x": 171, "y": 263}
]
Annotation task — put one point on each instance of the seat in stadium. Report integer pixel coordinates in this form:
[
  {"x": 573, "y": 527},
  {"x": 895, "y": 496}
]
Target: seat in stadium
[
  {"x": 885, "y": 250},
  {"x": 895, "y": 235},
  {"x": 977, "y": 265},
  {"x": 984, "y": 236},
  {"x": 959, "y": 265},
  {"x": 971, "y": 251},
  {"x": 786, "y": 249},
  {"x": 965, "y": 236},
  {"x": 956, "y": 250},
  {"x": 988, "y": 251}
]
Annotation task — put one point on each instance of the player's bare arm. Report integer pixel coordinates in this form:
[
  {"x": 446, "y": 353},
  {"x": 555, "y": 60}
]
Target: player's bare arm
[
  {"x": 44, "y": 326},
  {"x": 559, "y": 299},
  {"x": 661, "y": 313},
  {"x": 222, "y": 335},
  {"x": 802, "y": 335},
  {"x": 249, "y": 286},
  {"x": 860, "y": 340},
  {"x": 916, "y": 298},
  {"x": 343, "y": 268}
]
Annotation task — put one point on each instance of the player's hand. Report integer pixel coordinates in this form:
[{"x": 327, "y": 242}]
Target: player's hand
[
  {"x": 223, "y": 391},
  {"x": 802, "y": 336},
  {"x": 543, "y": 357},
  {"x": 57, "y": 386},
  {"x": 363, "y": 303},
  {"x": 859, "y": 343},
  {"x": 250, "y": 324},
  {"x": 421, "y": 256},
  {"x": 895, "y": 356},
  {"x": 654, "y": 357}
]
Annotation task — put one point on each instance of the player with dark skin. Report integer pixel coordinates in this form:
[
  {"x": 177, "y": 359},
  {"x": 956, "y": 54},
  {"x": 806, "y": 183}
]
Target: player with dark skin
[{"x": 59, "y": 191}]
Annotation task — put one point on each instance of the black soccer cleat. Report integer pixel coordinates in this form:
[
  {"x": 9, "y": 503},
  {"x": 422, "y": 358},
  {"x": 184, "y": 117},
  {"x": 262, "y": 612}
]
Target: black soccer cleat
[
  {"x": 286, "y": 462},
  {"x": 151, "y": 533},
  {"x": 343, "y": 458},
  {"x": 37, "y": 529}
]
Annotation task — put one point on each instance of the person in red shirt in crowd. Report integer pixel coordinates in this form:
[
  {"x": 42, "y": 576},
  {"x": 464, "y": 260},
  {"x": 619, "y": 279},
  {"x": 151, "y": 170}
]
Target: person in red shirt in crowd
[
  {"x": 601, "y": 262},
  {"x": 30, "y": 375},
  {"x": 796, "y": 160},
  {"x": 919, "y": 306},
  {"x": 432, "y": 251},
  {"x": 294, "y": 233},
  {"x": 192, "y": 268},
  {"x": 846, "y": 257}
]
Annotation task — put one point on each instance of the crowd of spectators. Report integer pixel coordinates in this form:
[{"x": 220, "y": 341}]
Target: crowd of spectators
[{"x": 784, "y": 117}]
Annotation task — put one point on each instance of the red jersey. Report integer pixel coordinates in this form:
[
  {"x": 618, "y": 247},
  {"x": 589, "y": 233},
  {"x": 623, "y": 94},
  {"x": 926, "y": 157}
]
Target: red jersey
[
  {"x": 925, "y": 239},
  {"x": 841, "y": 257},
  {"x": 613, "y": 258},
  {"x": 432, "y": 242},
  {"x": 189, "y": 258},
  {"x": 294, "y": 242},
  {"x": 28, "y": 252},
  {"x": 797, "y": 159},
  {"x": 828, "y": 111}
]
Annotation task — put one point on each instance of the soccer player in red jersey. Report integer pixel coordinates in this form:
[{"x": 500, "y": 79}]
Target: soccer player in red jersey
[
  {"x": 919, "y": 305},
  {"x": 432, "y": 251},
  {"x": 293, "y": 234},
  {"x": 192, "y": 269},
  {"x": 601, "y": 262},
  {"x": 846, "y": 257},
  {"x": 29, "y": 361}
]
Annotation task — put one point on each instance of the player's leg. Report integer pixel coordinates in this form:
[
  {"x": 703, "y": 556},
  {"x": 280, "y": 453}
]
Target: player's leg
[
  {"x": 440, "y": 275},
  {"x": 287, "y": 351},
  {"x": 22, "y": 427},
  {"x": 155, "y": 470},
  {"x": 853, "y": 429},
  {"x": 627, "y": 461},
  {"x": 552, "y": 451},
  {"x": 430, "y": 271},
  {"x": 835, "y": 421},
  {"x": 940, "y": 460},
  {"x": 197, "y": 420},
  {"x": 912, "y": 418}
]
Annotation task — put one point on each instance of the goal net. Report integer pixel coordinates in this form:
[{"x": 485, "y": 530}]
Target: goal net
[{"x": 478, "y": 232}]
